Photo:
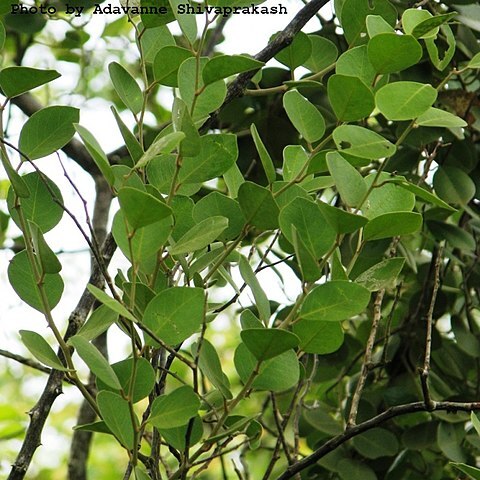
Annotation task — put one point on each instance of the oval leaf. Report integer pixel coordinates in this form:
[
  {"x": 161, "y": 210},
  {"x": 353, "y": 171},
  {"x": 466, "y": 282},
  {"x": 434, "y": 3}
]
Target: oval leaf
[
  {"x": 48, "y": 130},
  {"x": 41, "y": 350}
]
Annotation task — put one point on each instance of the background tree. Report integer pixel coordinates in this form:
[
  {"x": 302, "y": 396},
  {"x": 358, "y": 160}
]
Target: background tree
[{"x": 353, "y": 166}]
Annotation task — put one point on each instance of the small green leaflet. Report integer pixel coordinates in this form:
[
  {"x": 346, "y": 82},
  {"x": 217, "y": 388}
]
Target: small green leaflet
[
  {"x": 140, "y": 208},
  {"x": 126, "y": 87},
  {"x": 251, "y": 280},
  {"x": 224, "y": 66},
  {"x": 17, "y": 80},
  {"x": 335, "y": 301},
  {"x": 110, "y": 302},
  {"x": 266, "y": 343},
  {"x": 435, "y": 117},
  {"x": 116, "y": 415},
  {"x": 305, "y": 117},
  {"x": 381, "y": 275},
  {"x": 392, "y": 224},
  {"x": 174, "y": 409},
  {"x": 48, "y": 130},
  {"x": 265, "y": 158},
  {"x": 97, "y": 363},
  {"x": 41, "y": 350},
  {"x": 472, "y": 472},
  {"x": 175, "y": 313},
  {"x": 201, "y": 235},
  {"x": 161, "y": 144},
  {"x": 97, "y": 153}
]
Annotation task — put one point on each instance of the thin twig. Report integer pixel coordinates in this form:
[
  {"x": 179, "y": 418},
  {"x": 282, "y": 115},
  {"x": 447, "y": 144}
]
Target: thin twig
[
  {"x": 425, "y": 372},
  {"x": 367, "y": 361}
]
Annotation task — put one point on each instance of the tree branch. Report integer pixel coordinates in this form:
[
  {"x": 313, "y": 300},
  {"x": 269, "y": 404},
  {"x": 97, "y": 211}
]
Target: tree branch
[
  {"x": 39, "y": 413},
  {"x": 392, "y": 412}
]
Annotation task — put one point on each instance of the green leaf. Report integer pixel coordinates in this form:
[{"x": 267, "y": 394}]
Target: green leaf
[
  {"x": 145, "y": 243},
  {"x": 110, "y": 302},
  {"x": 453, "y": 185},
  {"x": 316, "y": 234},
  {"x": 376, "y": 443},
  {"x": 340, "y": 220},
  {"x": 177, "y": 436},
  {"x": 233, "y": 179},
  {"x": 297, "y": 52},
  {"x": 216, "y": 203},
  {"x": 175, "y": 313},
  {"x": 140, "y": 208},
  {"x": 209, "y": 364},
  {"x": 392, "y": 224},
  {"x": 355, "y": 63},
  {"x": 98, "y": 322},
  {"x": 19, "y": 187},
  {"x": 190, "y": 83},
  {"x": 424, "y": 28},
  {"x": 321, "y": 338},
  {"x": 182, "y": 122},
  {"x": 162, "y": 144},
  {"x": 126, "y": 87},
  {"x": 48, "y": 260},
  {"x": 48, "y": 130},
  {"x": 175, "y": 409},
  {"x": 381, "y": 275},
  {"x": 324, "y": 53},
  {"x": 388, "y": 197},
  {"x": 39, "y": 206},
  {"x": 335, "y": 301},
  {"x": 304, "y": 115},
  {"x": 3, "y": 35},
  {"x": 376, "y": 25},
  {"x": 218, "y": 152},
  {"x": 17, "y": 80},
  {"x": 354, "y": 13},
  {"x": 412, "y": 17},
  {"x": 420, "y": 193},
  {"x": 134, "y": 148},
  {"x": 354, "y": 470},
  {"x": 435, "y": 117},
  {"x": 187, "y": 23},
  {"x": 95, "y": 150},
  {"x": 143, "y": 382},
  {"x": 261, "y": 299},
  {"x": 350, "y": 184},
  {"x": 362, "y": 142},
  {"x": 475, "y": 61},
  {"x": 457, "y": 237},
  {"x": 153, "y": 40},
  {"x": 224, "y": 66},
  {"x": 475, "y": 422},
  {"x": 277, "y": 374},
  {"x": 449, "y": 438},
  {"x": 116, "y": 415},
  {"x": 200, "y": 235},
  {"x": 167, "y": 62},
  {"x": 258, "y": 206},
  {"x": 405, "y": 100},
  {"x": 41, "y": 350},
  {"x": 265, "y": 158},
  {"x": 389, "y": 52},
  {"x": 472, "y": 472},
  {"x": 95, "y": 361},
  {"x": 295, "y": 158},
  {"x": 350, "y": 98},
  {"x": 266, "y": 343},
  {"x": 306, "y": 260},
  {"x": 24, "y": 282},
  {"x": 448, "y": 53}
]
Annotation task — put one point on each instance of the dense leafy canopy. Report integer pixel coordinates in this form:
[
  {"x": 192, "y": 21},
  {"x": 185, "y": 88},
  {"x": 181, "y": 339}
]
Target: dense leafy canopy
[{"x": 347, "y": 174}]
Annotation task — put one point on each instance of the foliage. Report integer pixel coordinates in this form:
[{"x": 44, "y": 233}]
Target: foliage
[{"x": 353, "y": 166}]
